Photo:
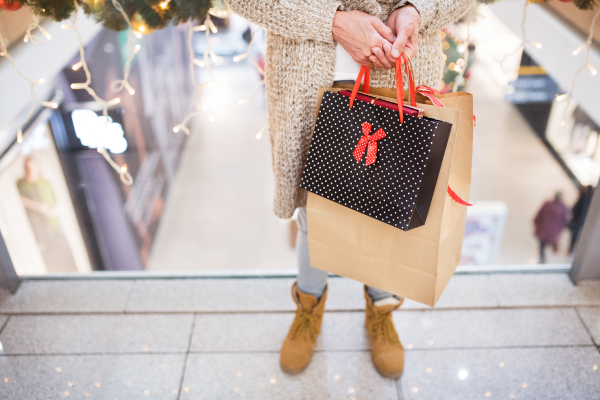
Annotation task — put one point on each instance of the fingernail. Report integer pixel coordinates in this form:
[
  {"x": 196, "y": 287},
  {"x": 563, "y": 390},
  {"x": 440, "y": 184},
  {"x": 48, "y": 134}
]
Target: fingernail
[{"x": 396, "y": 53}]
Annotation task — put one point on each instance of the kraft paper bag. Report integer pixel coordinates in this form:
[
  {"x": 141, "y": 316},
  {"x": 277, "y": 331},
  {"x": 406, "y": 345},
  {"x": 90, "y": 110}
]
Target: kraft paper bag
[{"x": 415, "y": 264}]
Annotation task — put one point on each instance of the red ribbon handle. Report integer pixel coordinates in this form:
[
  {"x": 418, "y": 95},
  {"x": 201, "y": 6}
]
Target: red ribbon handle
[{"x": 364, "y": 70}]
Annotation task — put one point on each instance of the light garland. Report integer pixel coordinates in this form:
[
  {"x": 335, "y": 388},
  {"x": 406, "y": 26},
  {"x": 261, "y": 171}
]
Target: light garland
[
  {"x": 49, "y": 104},
  {"x": 123, "y": 172},
  {"x": 523, "y": 41},
  {"x": 261, "y": 71},
  {"x": 208, "y": 56},
  {"x": 34, "y": 39},
  {"x": 121, "y": 84},
  {"x": 587, "y": 45}
]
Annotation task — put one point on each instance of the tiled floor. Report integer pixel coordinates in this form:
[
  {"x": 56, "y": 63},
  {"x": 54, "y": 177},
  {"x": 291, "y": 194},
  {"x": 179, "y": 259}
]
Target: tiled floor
[{"x": 497, "y": 336}]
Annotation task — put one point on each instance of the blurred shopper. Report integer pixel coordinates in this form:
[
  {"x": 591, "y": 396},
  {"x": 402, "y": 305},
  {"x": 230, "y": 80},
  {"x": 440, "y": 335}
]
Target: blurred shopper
[
  {"x": 549, "y": 223},
  {"x": 320, "y": 43},
  {"x": 40, "y": 204},
  {"x": 579, "y": 213}
]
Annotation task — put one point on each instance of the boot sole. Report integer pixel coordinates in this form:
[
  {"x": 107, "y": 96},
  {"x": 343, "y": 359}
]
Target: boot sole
[
  {"x": 292, "y": 371},
  {"x": 387, "y": 374}
]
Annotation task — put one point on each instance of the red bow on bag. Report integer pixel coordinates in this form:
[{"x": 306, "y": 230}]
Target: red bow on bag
[{"x": 370, "y": 141}]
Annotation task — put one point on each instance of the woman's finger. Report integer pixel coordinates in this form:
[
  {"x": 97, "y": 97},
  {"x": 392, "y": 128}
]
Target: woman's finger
[
  {"x": 377, "y": 52},
  {"x": 376, "y": 62}
]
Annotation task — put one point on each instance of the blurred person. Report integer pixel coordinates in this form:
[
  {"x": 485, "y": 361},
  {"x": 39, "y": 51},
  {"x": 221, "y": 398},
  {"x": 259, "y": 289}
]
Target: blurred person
[
  {"x": 549, "y": 222},
  {"x": 579, "y": 213},
  {"x": 39, "y": 201},
  {"x": 323, "y": 43}
]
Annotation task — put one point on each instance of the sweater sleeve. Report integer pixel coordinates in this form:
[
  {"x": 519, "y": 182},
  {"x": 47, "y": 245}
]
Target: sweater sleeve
[
  {"x": 295, "y": 19},
  {"x": 436, "y": 14}
]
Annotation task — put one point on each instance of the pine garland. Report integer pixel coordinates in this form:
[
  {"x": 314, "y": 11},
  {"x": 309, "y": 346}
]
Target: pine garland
[
  {"x": 103, "y": 11},
  {"x": 585, "y": 4}
]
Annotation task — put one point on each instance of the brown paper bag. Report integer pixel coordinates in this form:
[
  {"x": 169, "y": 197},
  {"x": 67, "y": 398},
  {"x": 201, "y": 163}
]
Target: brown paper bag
[{"x": 416, "y": 264}]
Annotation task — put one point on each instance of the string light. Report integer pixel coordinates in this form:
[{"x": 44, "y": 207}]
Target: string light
[
  {"x": 261, "y": 71},
  {"x": 124, "y": 174},
  {"x": 121, "y": 84},
  {"x": 523, "y": 42},
  {"x": 200, "y": 107},
  {"x": 49, "y": 104},
  {"x": 34, "y": 39},
  {"x": 587, "y": 45}
]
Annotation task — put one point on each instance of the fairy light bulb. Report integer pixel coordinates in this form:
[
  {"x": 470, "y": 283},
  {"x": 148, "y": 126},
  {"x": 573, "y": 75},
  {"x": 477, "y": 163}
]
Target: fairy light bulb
[
  {"x": 562, "y": 97},
  {"x": 592, "y": 69},
  {"x": 579, "y": 49},
  {"x": 535, "y": 44}
]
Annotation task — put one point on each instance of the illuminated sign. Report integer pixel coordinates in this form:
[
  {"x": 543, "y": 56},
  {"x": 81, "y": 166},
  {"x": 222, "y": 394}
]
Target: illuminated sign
[{"x": 95, "y": 131}]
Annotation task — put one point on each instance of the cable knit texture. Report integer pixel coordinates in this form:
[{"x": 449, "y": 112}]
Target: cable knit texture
[{"x": 301, "y": 58}]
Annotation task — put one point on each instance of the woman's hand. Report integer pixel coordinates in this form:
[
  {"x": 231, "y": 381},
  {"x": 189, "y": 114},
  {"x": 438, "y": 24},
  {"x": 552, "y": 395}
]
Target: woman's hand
[
  {"x": 404, "y": 24},
  {"x": 359, "y": 33}
]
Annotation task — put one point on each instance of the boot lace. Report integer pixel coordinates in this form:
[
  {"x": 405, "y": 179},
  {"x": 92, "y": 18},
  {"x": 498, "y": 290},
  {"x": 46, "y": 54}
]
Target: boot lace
[
  {"x": 305, "y": 324},
  {"x": 382, "y": 327}
]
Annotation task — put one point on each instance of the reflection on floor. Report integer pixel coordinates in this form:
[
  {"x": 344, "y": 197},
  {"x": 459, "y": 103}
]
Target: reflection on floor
[
  {"x": 219, "y": 213},
  {"x": 497, "y": 336}
]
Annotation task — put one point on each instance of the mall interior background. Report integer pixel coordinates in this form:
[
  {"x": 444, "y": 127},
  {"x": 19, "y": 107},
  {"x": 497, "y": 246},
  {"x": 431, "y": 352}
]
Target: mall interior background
[{"x": 204, "y": 201}]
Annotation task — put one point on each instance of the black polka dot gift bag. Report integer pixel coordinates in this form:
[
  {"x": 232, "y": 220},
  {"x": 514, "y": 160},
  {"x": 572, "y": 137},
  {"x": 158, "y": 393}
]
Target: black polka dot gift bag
[{"x": 387, "y": 184}]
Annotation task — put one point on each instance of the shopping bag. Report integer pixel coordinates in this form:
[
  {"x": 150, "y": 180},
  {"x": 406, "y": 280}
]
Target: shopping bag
[
  {"x": 417, "y": 263},
  {"x": 367, "y": 156}
]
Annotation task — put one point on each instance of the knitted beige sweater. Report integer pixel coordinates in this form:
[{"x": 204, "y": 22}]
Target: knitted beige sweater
[{"x": 301, "y": 58}]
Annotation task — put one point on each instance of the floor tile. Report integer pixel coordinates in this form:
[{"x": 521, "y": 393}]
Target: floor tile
[
  {"x": 591, "y": 319},
  {"x": 490, "y": 328},
  {"x": 211, "y": 295},
  {"x": 266, "y": 332},
  {"x": 544, "y": 290},
  {"x": 67, "y": 296},
  {"x": 240, "y": 332},
  {"x": 110, "y": 377},
  {"x": 535, "y": 374},
  {"x": 469, "y": 291},
  {"x": 97, "y": 334},
  {"x": 335, "y": 375},
  {"x": 343, "y": 331}
]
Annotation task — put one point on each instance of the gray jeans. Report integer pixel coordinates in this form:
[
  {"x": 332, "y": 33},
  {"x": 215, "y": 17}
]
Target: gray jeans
[{"x": 312, "y": 280}]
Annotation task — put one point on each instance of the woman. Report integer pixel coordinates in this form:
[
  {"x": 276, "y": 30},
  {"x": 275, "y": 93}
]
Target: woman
[{"x": 317, "y": 43}]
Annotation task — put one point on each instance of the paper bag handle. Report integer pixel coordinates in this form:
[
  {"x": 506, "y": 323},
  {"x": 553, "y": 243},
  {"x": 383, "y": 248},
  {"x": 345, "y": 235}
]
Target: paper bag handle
[{"x": 366, "y": 72}]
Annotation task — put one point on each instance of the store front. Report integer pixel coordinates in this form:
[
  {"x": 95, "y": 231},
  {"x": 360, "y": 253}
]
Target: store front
[{"x": 63, "y": 208}]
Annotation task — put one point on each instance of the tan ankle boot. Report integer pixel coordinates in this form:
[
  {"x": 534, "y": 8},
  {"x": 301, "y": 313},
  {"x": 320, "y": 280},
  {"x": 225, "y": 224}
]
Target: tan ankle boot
[
  {"x": 387, "y": 352},
  {"x": 298, "y": 346}
]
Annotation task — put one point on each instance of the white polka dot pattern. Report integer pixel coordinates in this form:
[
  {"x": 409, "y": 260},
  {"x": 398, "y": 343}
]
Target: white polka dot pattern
[{"x": 386, "y": 189}]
